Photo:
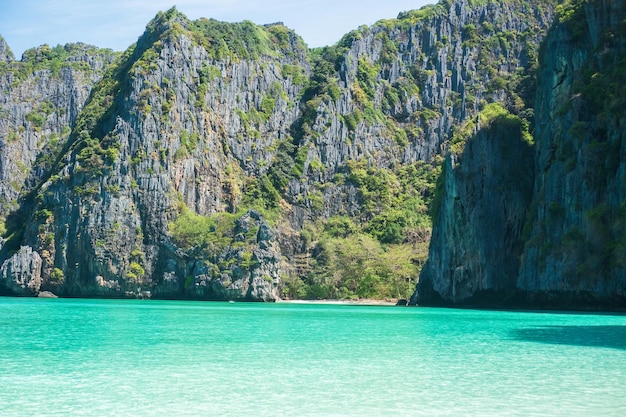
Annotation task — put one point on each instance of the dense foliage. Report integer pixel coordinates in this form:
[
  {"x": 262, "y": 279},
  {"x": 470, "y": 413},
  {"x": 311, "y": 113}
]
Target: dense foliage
[{"x": 376, "y": 255}]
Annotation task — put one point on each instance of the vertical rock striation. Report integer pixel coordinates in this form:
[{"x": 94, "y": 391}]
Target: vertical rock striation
[
  {"x": 403, "y": 85},
  {"x": 40, "y": 98},
  {"x": 6, "y": 55},
  {"x": 21, "y": 274},
  {"x": 207, "y": 160},
  {"x": 570, "y": 252},
  {"x": 173, "y": 130},
  {"x": 574, "y": 252},
  {"x": 485, "y": 196}
]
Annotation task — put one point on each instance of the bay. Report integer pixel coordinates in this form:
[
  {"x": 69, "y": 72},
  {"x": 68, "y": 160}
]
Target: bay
[{"x": 79, "y": 357}]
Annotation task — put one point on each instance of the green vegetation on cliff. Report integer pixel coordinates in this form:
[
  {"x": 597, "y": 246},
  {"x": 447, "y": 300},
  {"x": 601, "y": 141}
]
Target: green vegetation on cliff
[
  {"x": 587, "y": 141},
  {"x": 234, "y": 159},
  {"x": 54, "y": 59},
  {"x": 379, "y": 253},
  {"x": 554, "y": 236}
]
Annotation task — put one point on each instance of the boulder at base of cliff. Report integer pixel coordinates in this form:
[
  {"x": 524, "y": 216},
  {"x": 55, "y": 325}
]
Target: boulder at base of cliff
[
  {"x": 21, "y": 273},
  {"x": 47, "y": 294}
]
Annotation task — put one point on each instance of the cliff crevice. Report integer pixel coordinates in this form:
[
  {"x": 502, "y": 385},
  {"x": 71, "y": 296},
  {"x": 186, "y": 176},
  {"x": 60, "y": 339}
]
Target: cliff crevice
[{"x": 569, "y": 254}]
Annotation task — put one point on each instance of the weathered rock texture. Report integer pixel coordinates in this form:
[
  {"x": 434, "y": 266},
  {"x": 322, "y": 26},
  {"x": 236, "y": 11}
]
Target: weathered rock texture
[
  {"x": 40, "y": 98},
  {"x": 22, "y": 273},
  {"x": 571, "y": 251},
  {"x": 438, "y": 66},
  {"x": 5, "y": 52},
  {"x": 207, "y": 151},
  {"x": 476, "y": 243},
  {"x": 576, "y": 247},
  {"x": 166, "y": 131}
]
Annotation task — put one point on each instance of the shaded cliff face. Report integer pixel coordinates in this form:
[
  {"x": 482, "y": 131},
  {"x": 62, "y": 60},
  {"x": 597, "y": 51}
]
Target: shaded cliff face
[
  {"x": 576, "y": 240},
  {"x": 227, "y": 161},
  {"x": 570, "y": 251},
  {"x": 485, "y": 194}
]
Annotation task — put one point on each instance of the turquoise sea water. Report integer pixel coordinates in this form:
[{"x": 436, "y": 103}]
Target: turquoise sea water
[{"x": 61, "y": 357}]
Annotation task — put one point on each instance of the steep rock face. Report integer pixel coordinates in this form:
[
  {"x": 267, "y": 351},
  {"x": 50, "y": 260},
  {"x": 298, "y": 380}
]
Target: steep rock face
[
  {"x": 397, "y": 93},
  {"x": 253, "y": 277},
  {"x": 570, "y": 253},
  {"x": 5, "y": 52},
  {"x": 40, "y": 98},
  {"x": 21, "y": 274},
  {"x": 575, "y": 248},
  {"x": 172, "y": 132},
  {"x": 213, "y": 160},
  {"x": 402, "y": 85},
  {"x": 476, "y": 244}
]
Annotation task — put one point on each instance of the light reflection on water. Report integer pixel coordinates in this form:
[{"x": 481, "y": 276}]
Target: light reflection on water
[{"x": 138, "y": 358}]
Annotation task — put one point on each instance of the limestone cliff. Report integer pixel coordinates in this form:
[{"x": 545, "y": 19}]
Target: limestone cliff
[
  {"x": 564, "y": 242},
  {"x": 6, "y": 55},
  {"x": 486, "y": 189},
  {"x": 173, "y": 128},
  {"x": 575, "y": 246},
  {"x": 40, "y": 98},
  {"x": 228, "y": 161},
  {"x": 402, "y": 86}
]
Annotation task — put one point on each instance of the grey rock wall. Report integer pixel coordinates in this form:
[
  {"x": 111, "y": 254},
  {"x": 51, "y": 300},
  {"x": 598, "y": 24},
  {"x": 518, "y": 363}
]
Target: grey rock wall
[
  {"x": 38, "y": 108},
  {"x": 6, "y": 55},
  {"x": 476, "y": 244},
  {"x": 561, "y": 246},
  {"x": 21, "y": 274},
  {"x": 178, "y": 126},
  {"x": 455, "y": 74},
  {"x": 575, "y": 244}
]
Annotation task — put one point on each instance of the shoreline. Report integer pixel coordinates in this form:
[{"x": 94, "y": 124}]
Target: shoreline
[
  {"x": 361, "y": 302},
  {"x": 329, "y": 301}
]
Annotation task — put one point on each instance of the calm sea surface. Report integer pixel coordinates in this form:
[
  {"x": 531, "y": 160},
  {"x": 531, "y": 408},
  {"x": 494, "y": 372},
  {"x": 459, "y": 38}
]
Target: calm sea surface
[{"x": 61, "y": 357}]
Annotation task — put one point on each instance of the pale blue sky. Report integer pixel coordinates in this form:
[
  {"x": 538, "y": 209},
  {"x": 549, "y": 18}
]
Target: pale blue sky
[{"x": 116, "y": 24}]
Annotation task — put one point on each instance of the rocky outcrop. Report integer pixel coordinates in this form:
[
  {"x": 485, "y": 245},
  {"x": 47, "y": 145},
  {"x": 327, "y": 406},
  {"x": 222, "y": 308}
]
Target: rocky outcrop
[
  {"x": 485, "y": 196},
  {"x": 175, "y": 127},
  {"x": 40, "y": 98},
  {"x": 253, "y": 273},
  {"x": 21, "y": 273},
  {"x": 5, "y": 52},
  {"x": 403, "y": 85},
  {"x": 575, "y": 248},
  {"x": 570, "y": 253}
]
